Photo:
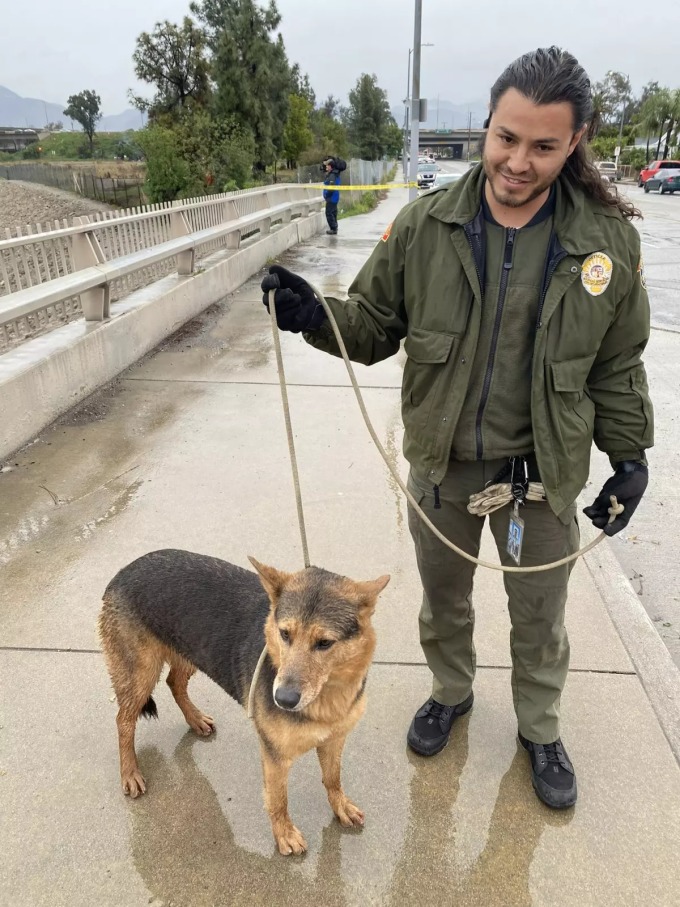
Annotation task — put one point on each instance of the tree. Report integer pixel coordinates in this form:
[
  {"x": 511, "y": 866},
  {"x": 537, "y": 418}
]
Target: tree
[
  {"x": 54, "y": 127},
  {"x": 394, "y": 140},
  {"x": 195, "y": 154},
  {"x": 331, "y": 107},
  {"x": 172, "y": 58},
  {"x": 84, "y": 108},
  {"x": 250, "y": 69},
  {"x": 167, "y": 173},
  {"x": 649, "y": 118},
  {"x": 673, "y": 121},
  {"x": 600, "y": 104},
  {"x": 636, "y": 105},
  {"x": 302, "y": 86},
  {"x": 297, "y": 136},
  {"x": 368, "y": 118}
]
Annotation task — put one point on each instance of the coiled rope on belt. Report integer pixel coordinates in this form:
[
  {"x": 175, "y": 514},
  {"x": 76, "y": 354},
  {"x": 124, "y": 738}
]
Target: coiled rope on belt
[{"x": 484, "y": 502}]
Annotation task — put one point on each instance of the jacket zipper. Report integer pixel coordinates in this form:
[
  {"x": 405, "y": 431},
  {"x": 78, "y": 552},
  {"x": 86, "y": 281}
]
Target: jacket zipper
[
  {"x": 505, "y": 275},
  {"x": 554, "y": 261}
]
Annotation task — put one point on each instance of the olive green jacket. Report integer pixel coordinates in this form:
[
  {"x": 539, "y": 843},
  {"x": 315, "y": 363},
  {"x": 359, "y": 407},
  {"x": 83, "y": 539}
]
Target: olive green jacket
[{"x": 422, "y": 284}]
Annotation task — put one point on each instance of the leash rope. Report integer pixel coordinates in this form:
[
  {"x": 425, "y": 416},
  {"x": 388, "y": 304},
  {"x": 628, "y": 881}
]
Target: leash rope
[
  {"x": 614, "y": 510},
  {"x": 289, "y": 427},
  {"x": 296, "y": 483}
]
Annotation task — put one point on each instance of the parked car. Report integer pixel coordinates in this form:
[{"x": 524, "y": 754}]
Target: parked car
[
  {"x": 608, "y": 170},
  {"x": 426, "y": 175},
  {"x": 664, "y": 181},
  {"x": 445, "y": 179},
  {"x": 654, "y": 168}
]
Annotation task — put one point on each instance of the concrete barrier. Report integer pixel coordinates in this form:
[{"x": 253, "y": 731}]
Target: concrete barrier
[{"x": 45, "y": 377}]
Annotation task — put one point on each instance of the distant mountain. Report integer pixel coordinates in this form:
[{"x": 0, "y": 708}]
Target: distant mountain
[
  {"x": 18, "y": 111},
  {"x": 444, "y": 114}
]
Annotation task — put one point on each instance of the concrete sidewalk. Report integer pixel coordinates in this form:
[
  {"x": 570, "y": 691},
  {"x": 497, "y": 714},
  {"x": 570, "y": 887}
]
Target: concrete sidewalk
[{"x": 188, "y": 449}]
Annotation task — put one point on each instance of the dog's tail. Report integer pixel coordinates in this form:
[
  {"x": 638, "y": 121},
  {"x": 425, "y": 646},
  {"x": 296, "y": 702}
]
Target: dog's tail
[{"x": 149, "y": 709}]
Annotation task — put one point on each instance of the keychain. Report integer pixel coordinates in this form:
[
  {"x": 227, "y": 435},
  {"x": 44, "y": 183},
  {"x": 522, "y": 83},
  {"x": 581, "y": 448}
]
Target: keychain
[{"x": 516, "y": 527}]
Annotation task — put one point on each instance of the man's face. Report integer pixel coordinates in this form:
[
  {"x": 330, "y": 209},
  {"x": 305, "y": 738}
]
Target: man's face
[{"x": 526, "y": 147}]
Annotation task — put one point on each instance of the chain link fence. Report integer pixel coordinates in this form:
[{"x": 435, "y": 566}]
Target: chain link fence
[
  {"x": 123, "y": 192},
  {"x": 358, "y": 173}
]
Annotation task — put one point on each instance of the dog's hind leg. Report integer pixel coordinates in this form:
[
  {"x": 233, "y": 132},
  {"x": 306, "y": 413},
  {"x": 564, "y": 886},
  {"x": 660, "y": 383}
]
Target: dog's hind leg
[
  {"x": 178, "y": 678},
  {"x": 288, "y": 838},
  {"x": 330, "y": 758},
  {"x": 135, "y": 660},
  {"x": 134, "y": 700}
]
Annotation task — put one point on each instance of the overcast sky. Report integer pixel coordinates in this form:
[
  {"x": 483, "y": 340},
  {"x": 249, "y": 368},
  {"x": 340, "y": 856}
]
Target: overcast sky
[{"x": 54, "y": 48}]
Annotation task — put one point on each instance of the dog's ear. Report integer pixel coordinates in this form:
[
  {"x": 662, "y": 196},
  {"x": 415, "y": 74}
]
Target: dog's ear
[
  {"x": 272, "y": 580},
  {"x": 369, "y": 591}
]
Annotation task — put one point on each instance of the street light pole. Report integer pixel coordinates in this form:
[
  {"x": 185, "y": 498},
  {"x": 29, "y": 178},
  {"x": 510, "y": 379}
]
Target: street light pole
[
  {"x": 407, "y": 104},
  {"x": 415, "y": 101}
]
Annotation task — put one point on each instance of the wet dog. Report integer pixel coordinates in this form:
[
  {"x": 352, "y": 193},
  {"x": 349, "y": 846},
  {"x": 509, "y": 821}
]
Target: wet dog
[{"x": 196, "y": 612}]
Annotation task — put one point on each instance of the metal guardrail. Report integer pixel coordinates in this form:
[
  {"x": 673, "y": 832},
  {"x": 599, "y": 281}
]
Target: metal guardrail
[{"x": 50, "y": 277}]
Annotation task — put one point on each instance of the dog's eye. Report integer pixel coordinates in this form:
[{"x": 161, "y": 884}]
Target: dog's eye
[
  {"x": 324, "y": 643},
  {"x": 285, "y": 635}
]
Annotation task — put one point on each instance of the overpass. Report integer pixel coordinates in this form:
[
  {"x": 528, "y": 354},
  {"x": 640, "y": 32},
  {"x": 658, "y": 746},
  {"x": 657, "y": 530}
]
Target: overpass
[
  {"x": 452, "y": 143},
  {"x": 13, "y": 138}
]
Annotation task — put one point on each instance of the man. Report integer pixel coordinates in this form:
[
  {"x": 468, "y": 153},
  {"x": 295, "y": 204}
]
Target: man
[
  {"x": 331, "y": 196},
  {"x": 520, "y": 292}
]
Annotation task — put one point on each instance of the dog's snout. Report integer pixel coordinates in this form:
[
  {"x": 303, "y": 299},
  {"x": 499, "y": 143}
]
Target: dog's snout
[{"x": 287, "y": 697}]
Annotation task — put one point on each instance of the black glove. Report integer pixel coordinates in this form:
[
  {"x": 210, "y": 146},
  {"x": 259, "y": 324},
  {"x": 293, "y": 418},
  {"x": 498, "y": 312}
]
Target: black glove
[
  {"x": 628, "y": 484},
  {"x": 297, "y": 308}
]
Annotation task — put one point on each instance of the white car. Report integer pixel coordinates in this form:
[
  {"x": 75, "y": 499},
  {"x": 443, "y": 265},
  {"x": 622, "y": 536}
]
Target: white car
[
  {"x": 426, "y": 175},
  {"x": 445, "y": 179}
]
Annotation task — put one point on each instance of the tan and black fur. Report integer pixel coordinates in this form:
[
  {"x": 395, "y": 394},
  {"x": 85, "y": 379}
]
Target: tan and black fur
[{"x": 196, "y": 612}]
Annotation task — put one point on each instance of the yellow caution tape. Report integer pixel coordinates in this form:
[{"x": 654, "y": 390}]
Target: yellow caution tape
[{"x": 363, "y": 188}]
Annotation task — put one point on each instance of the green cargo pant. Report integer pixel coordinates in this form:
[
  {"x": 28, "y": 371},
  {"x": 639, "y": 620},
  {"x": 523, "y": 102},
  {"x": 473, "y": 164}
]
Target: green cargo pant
[{"x": 536, "y": 601}]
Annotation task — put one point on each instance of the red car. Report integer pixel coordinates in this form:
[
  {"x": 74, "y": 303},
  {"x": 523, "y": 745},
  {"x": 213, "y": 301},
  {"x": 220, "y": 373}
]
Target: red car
[{"x": 653, "y": 170}]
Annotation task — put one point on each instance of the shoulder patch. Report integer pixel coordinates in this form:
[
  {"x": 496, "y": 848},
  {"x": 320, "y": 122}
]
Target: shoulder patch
[
  {"x": 386, "y": 234},
  {"x": 596, "y": 273},
  {"x": 641, "y": 272}
]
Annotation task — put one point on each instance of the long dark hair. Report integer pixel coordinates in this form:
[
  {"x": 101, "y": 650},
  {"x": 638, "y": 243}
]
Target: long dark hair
[{"x": 553, "y": 76}]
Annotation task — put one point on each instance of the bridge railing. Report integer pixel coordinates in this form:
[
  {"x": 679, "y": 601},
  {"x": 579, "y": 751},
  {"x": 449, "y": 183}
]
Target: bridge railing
[{"x": 52, "y": 276}]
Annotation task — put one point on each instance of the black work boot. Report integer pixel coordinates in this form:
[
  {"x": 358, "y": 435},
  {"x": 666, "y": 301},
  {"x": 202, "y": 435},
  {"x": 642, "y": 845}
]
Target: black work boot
[
  {"x": 331, "y": 232},
  {"x": 431, "y": 726},
  {"x": 552, "y": 773}
]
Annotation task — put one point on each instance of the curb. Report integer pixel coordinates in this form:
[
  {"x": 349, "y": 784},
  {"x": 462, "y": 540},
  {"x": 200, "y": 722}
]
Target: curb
[{"x": 651, "y": 659}]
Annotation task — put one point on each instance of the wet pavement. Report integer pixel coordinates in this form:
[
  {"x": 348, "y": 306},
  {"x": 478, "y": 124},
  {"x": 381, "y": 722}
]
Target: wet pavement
[{"x": 187, "y": 449}]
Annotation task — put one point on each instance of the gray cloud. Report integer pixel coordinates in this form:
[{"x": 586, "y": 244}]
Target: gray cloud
[{"x": 51, "y": 50}]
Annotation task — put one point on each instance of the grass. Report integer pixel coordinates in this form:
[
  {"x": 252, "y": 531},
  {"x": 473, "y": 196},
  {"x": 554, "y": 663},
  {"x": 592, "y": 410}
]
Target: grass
[
  {"x": 367, "y": 202},
  {"x": 74, "y": 146}
]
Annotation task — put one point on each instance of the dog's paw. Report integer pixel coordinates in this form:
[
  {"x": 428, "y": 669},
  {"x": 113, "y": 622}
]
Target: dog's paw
[
  {"x": 134, "y": 784},
  {"x": 289, "y": 840},
  {"x": 202, "y": 724},
  {"x": 348, "y": 814}
]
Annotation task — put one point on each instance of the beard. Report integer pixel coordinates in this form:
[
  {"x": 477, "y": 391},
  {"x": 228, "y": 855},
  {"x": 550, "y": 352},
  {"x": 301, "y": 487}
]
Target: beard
[{"x": 524, "y": 195}]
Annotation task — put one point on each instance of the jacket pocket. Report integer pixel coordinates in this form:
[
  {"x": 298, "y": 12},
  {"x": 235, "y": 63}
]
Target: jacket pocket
[
  {"x": 571, "y": 408},
  {"x": 571, "y": 374},
  {"x": 427, "y": 352}
]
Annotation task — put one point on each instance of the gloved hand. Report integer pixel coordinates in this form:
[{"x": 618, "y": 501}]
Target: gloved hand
[
  {"x": 628, "y": 484},
  {"x": 297, "y": 308}
]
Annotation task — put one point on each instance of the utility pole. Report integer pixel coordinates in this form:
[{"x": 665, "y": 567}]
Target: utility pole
[
  {"x": 415, "y": 101},
  {"x": 469, "y": 131},
  {"x": 406, "y": 105}
]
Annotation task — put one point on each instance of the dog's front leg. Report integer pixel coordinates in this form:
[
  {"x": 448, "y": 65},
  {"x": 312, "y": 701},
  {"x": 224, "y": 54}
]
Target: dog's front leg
[
  {"x": 330, "y": 758},
  {"x": 288, "y": 838}
]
